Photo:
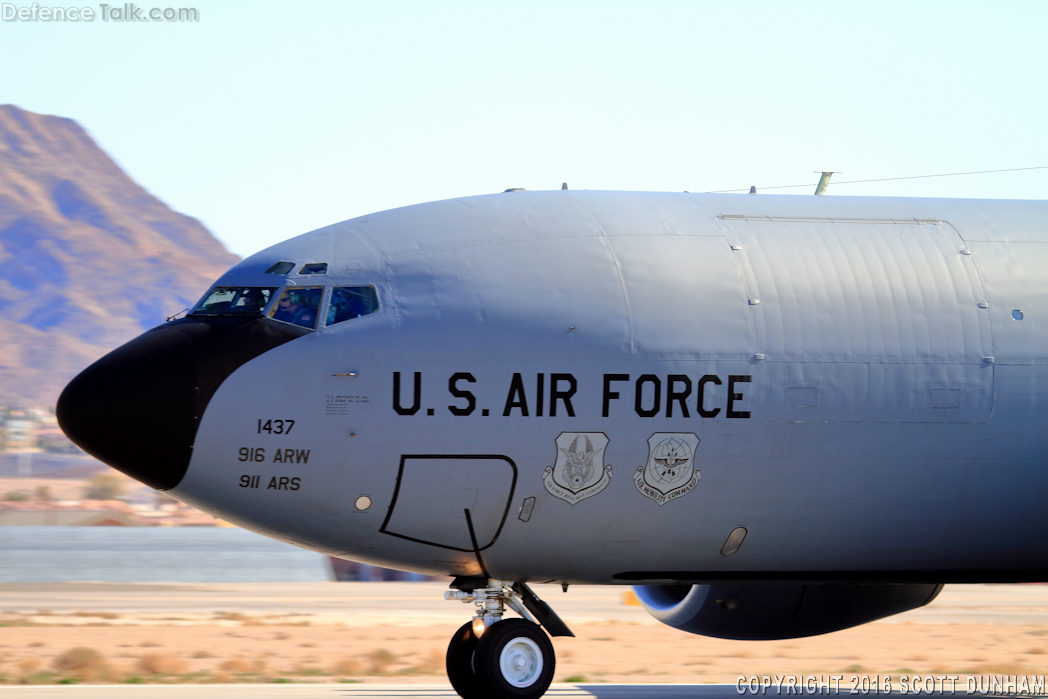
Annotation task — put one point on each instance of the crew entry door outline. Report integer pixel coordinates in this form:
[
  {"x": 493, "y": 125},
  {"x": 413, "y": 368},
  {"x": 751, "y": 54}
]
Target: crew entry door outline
[{"x": 434, "y": 490}]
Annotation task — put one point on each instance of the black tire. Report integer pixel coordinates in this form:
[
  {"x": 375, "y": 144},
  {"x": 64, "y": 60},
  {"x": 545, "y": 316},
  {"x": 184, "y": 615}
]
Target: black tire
[
  {"x": 459, "y": 663},
  {"x": 515, "y": 659}
]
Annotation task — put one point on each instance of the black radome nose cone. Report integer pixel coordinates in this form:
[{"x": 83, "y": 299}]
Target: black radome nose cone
[{"x": 138, "y": 408}]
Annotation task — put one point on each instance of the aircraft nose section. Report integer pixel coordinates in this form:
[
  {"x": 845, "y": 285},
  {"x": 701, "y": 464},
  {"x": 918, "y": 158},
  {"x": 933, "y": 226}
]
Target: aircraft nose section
[{"x": 137, "y": 408}]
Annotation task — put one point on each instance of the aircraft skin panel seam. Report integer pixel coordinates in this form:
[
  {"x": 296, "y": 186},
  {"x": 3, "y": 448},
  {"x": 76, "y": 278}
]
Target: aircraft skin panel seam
[
  {"x": 764, "y": 286},
  {"x": 659, "y": 213},
  {"x": 625, "y": 292}
]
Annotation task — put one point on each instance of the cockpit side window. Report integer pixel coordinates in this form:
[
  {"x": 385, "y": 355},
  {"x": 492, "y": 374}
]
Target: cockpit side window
[
  {"x": 299, "y": 305},
  {"x": 348, "y": 302},
  {"x": 234, "y": 301}
]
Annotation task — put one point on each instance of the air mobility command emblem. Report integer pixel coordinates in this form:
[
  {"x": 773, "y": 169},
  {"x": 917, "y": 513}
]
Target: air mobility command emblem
[
  {"x": 670, "y": 471},
  {"x": 579, "y": 472}
]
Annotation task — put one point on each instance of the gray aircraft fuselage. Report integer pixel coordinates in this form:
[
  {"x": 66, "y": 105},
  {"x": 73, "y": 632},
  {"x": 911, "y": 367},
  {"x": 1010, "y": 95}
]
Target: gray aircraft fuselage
[{"x": 613, "y": 383}]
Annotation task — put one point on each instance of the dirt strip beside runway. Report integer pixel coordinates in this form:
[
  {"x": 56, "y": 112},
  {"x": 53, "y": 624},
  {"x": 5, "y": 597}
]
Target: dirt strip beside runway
[{"x": 382, "y": 633}]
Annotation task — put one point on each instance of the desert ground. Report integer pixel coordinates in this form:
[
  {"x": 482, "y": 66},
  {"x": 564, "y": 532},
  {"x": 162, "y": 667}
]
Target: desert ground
[{"x": 398, "y": 632}]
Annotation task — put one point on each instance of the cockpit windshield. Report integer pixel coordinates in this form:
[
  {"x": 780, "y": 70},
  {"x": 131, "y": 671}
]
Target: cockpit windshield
[{"x": 234, "y": 301}]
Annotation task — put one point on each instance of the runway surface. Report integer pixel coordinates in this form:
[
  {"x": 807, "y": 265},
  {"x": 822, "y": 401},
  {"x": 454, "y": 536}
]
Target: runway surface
[
  {"x": 342, "y": 691},
  {"x": 422, "y": 603}
]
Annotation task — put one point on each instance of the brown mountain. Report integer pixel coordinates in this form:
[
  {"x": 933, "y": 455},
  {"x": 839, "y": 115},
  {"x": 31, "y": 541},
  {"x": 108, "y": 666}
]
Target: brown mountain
[{"x": 88, "y": 258}]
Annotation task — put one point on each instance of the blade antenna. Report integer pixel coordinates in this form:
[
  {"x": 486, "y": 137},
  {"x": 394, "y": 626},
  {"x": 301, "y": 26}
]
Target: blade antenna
[{"x": 824, "y": 181}]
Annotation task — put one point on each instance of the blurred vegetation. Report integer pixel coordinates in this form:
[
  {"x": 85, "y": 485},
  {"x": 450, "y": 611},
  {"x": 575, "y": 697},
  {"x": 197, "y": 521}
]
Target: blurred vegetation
[
  {"x": 41, "y": 493},
  {"x": 82, "y": 663},
  {"x": 104, "y": 486}
]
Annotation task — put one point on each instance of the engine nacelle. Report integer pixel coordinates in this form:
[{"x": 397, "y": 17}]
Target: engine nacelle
[{"x": 769, "y": 611}]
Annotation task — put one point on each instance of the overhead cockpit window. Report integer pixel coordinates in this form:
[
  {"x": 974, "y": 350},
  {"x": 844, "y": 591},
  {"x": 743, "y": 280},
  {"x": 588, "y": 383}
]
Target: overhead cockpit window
[
  {"x": 314, "y": 268},
  {"x": 235, "y": 301},
  {"x": 281, "y": 268},
  {"x": 348, "y": 302},
  {"x": 299, "y": 305}
]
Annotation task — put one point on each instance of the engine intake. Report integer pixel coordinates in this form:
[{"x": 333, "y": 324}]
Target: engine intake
[{"x": 769, "y": 611}]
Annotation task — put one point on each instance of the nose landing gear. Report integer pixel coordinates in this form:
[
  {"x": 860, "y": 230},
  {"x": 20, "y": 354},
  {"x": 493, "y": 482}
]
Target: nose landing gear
[
  {"x": 514, "y": 658},
  {"x": 492, "y": 657},
  {"x": 459, "y": 664}
]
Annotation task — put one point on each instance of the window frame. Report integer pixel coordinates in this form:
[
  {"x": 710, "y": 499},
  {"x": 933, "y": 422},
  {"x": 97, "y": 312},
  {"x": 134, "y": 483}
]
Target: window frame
[
  {"x": 331, "y": 290},
  {"x": 303, "y": 273},
  {"x": 274, "y": 266},
  {"x": 274, "y": 292}
]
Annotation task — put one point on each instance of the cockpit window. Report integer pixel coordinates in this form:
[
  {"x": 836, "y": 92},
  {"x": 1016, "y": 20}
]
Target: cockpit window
[
  {"x": 349, "y": 302},
  {"x": 235, "y": 301},
  {"x": 281, "y": 268},
  {"x": 314, "y": 268},
  {"x": 299, "y": 305}
]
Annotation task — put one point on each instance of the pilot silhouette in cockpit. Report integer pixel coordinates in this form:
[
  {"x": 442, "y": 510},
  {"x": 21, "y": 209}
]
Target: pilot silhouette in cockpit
[
  {"x": 294, "y": 308},
  {"x": 252, "y": 301}
]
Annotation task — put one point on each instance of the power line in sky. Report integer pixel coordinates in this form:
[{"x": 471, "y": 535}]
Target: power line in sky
[{"x": 883, "y": 179}]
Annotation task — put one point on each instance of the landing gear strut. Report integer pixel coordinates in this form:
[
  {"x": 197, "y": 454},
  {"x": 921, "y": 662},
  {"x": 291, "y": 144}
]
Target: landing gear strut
[{"x": 492, "y": 657}]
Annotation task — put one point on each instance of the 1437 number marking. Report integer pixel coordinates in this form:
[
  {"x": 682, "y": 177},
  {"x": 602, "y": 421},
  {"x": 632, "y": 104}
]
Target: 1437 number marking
[{"x": 275, "y": 426}]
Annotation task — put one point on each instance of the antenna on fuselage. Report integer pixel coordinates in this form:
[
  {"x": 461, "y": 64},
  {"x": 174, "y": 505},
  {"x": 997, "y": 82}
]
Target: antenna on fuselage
[
  {"x": 824, "y": 181},
  {"x": 564, "y": 185}
]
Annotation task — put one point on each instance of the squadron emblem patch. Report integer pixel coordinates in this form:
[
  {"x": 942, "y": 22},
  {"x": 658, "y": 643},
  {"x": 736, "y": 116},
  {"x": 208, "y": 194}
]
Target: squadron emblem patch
[
  {"x": 670, "y": 471},
  {"x": 579, "y": 472}
]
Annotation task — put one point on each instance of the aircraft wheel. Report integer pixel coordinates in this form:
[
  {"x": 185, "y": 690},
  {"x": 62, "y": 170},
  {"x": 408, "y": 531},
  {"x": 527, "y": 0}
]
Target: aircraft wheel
[
  {"x": 515, "y": 658},
  {"x": 459, "y": 663}
]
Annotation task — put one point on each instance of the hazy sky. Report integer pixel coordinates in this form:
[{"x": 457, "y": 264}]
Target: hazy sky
[{"x": 266, "y": 120}]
